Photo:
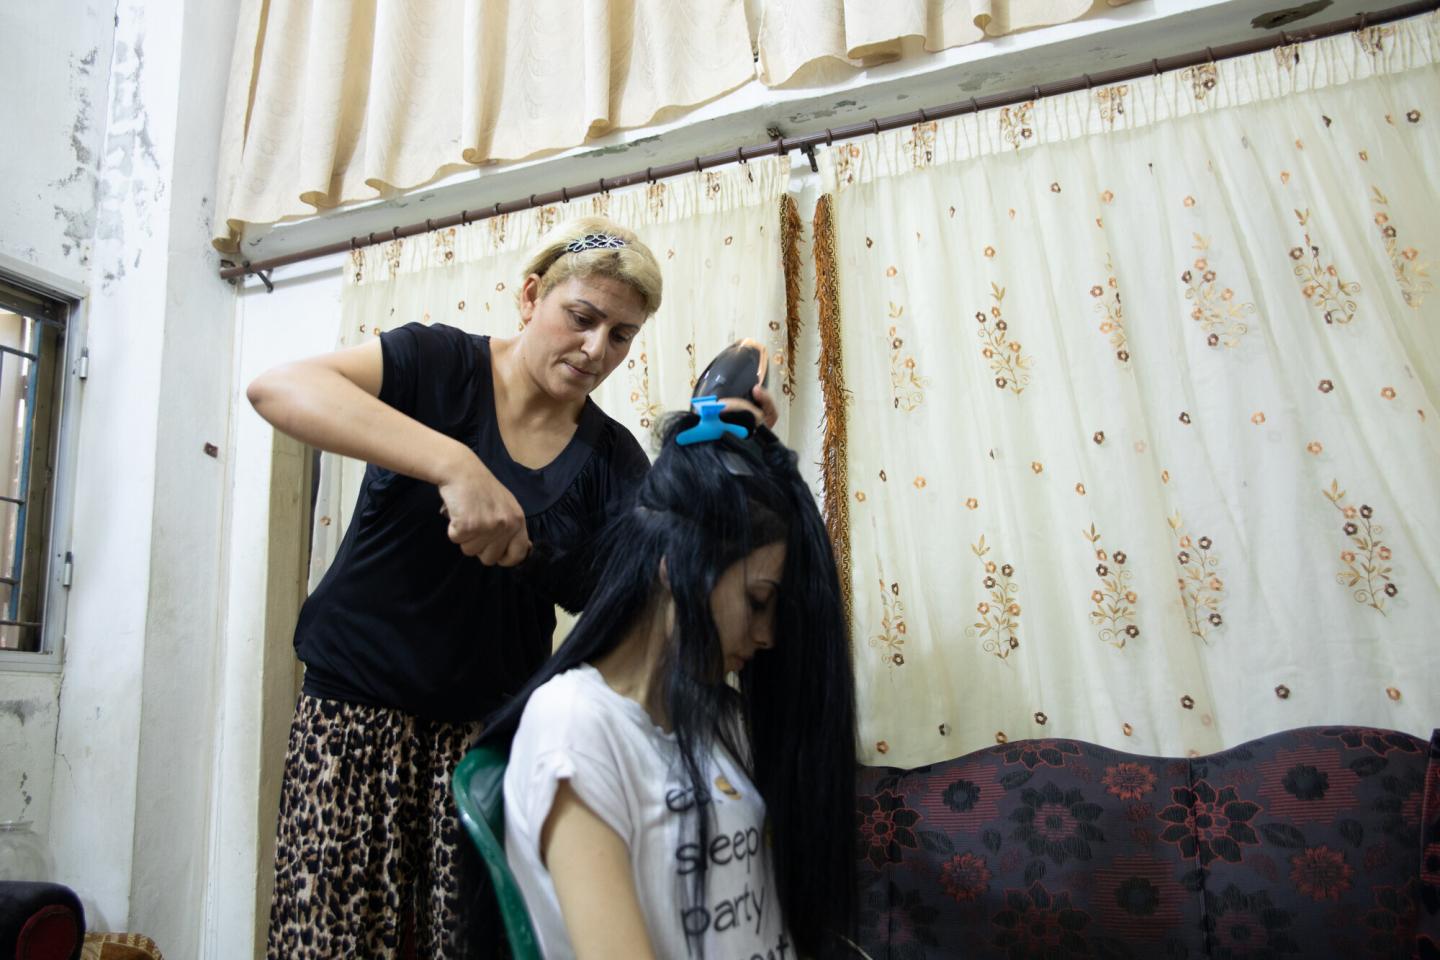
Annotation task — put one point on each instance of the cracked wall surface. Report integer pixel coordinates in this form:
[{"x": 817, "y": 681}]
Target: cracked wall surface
[{"x": 57, "y": 61}]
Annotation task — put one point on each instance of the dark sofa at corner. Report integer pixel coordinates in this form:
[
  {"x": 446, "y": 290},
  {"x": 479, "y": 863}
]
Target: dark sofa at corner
[
  {"x": 39, "y": 921},
  {"x": 1317, "y": 842}
]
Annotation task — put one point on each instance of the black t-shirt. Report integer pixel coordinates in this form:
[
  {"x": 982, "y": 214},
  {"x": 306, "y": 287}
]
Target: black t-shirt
[{"x": 402, "y": 618}]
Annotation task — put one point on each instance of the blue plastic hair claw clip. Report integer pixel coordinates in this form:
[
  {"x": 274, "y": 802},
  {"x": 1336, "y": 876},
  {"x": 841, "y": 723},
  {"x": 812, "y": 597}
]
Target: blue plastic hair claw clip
[{"x": 710, "y": 427}]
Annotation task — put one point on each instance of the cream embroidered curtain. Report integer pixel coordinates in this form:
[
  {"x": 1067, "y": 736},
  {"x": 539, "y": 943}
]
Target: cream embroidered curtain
[
  {"x": 1143, "y": 438},
  {"x": 720, "y": 237},
  {"x": 332, "y": 101},
  {"x": 800, "y": 38}
]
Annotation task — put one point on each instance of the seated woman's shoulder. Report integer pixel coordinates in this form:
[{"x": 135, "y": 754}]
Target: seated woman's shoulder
[{"x": 570, "y": 700}]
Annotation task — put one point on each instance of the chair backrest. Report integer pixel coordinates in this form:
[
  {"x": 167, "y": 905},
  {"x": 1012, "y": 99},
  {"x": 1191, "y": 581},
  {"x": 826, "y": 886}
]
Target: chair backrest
[{"x": 478, "y": 784}]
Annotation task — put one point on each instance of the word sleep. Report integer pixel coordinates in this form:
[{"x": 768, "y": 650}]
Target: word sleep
[{"x": 741, "y": 846}]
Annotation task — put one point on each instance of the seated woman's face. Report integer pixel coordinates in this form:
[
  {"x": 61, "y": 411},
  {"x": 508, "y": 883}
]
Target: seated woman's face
[{"x": 743, "y": 604}]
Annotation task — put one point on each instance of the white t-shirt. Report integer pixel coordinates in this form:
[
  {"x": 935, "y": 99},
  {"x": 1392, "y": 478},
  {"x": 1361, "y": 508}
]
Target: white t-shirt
[{"x": 626, "y": 769}]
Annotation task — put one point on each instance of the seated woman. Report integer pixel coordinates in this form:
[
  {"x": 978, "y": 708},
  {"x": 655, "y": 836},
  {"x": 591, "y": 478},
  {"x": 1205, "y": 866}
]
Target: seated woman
[{"x": 654, "y": 806}]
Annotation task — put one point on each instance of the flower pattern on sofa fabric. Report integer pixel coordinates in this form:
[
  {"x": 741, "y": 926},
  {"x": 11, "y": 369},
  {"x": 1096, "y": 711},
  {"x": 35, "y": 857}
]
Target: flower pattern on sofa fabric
[{"x": 1322, "y": 841}]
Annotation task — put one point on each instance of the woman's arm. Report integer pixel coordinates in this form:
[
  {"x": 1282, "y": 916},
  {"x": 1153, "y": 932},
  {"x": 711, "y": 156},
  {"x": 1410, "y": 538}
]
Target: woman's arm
[
  {"x": 332, "y": 402},
  {"x": 590, "y": 867}
]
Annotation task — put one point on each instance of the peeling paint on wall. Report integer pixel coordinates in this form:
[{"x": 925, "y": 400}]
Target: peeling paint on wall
[
  {"x": 21, "y": 710},
  {"x": 130, "y": 184},
  {"x": 79, "y": 219}
]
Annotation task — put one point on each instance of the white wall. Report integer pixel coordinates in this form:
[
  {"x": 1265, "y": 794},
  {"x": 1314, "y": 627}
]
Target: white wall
[
  {"x": 119, "y": 213},
  {"x": 54, "y": 69},
  {"x": 268, "y": 526},
  {"x": 52, "y": 116}
]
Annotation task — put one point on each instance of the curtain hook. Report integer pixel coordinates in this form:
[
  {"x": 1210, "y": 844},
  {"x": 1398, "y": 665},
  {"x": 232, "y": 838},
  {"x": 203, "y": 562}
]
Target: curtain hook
[
  {"x": 829, "y": 138},
  {"x": 497, "y": 209},
  {"x": 740, "y": 155},
  {"x": 464, "y": 217},
  {"x": 354, "y": 243},
  {"x": 1285, "y": 38},
  {"x": 394, "y": 233},
  {"x": 565, "y": 194},
  {"x": 1036, "y": 95},
  {"x": 1155, "y": 67},
  {"x": 974, "y": 105},
  {"x": 1364, "y": 15},
  {"x": 698, "y": 168},
  {"x": 1210, "y": 54},
  {"x": 1088, "y": 83},
  {"x": 372, "y": 239},
  {"x": 532, "y": 201},
  {"x": 923, "y": 117},
  {"x": 429, "y": 225},
  {"x": 875, "y": 126},
  {"x": 649, "y": 177},
  {"x": 603, "y": 188}
]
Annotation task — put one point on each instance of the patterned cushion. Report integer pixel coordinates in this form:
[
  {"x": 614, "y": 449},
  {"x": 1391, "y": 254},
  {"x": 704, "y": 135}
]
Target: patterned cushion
[
  {"x": 119, "y": 946},
  {"x": 1318, "y": 842}
]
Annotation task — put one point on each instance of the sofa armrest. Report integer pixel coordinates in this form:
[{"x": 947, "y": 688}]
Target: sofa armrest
[
  {"x": 40, "y": 921},
  {"x": 1428, "y": 933}
]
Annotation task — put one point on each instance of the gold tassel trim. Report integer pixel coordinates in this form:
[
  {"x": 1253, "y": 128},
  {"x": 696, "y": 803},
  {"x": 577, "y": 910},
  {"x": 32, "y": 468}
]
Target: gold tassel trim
[
  {"x": 835, "y": 466},
  {"x": 790, "y": 227}
]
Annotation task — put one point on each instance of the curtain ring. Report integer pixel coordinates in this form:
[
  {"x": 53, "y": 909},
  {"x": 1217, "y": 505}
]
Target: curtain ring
[
  {"x": 371, "y": 238},
  {"x": 394, "y": 233},
  {"x": 354, "y": 243},
  {"x": 497, "y": 209},
  {"x": 532, "y": 201}
]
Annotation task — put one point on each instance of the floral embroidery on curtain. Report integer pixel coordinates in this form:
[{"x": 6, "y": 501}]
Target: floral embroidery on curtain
[{"x": 1162, "y": 359}]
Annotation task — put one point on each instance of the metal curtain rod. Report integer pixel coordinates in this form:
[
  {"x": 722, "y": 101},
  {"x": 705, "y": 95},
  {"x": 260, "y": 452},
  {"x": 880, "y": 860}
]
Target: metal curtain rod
[{"x": 806, "y": 144}]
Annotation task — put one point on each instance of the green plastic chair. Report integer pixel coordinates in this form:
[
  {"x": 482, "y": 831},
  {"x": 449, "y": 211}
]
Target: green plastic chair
[{"x": 478, "y": 784}]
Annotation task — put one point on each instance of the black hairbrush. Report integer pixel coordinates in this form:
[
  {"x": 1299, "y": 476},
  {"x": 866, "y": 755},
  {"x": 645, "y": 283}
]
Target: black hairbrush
[{"x": 735, "y": 371}]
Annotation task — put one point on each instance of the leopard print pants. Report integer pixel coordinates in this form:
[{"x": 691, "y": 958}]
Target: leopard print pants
[{"x": 367, "y": 851}]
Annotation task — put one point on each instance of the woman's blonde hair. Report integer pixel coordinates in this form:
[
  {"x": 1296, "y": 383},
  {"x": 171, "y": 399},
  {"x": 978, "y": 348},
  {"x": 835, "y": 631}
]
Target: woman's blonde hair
[{"x": 632, "y": 264}]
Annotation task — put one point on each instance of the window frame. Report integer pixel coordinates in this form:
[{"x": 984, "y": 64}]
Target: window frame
[{"x": 70, "y": 302}]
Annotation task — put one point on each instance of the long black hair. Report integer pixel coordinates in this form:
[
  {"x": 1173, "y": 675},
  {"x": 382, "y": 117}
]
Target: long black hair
[{"x": 700, "y": 509}]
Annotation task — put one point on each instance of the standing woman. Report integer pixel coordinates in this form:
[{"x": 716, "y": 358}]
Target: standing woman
[{"x": 434, "y": 610}]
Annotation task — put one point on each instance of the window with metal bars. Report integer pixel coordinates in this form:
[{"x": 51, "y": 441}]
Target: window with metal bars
[{"x": 32, "y": 361}]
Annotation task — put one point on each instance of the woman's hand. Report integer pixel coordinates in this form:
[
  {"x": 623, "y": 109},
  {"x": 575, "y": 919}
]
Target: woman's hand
[
  {"x": 332, "y": 402},
  {"x": 762, "y": 408},
  {"x": 486, "y": 520}
]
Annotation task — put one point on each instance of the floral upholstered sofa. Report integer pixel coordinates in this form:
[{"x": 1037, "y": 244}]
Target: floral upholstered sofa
[{"x": 1317, "y": 842}]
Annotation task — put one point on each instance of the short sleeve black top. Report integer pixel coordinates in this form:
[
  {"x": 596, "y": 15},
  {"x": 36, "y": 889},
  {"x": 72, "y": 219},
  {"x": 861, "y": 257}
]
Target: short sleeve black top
[{"x": 402, "y": 618}]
